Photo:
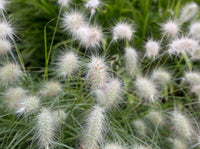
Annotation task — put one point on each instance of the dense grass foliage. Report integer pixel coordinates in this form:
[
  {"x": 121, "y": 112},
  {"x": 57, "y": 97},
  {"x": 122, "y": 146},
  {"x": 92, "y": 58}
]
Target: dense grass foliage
[{"x": 40, "y": 39}]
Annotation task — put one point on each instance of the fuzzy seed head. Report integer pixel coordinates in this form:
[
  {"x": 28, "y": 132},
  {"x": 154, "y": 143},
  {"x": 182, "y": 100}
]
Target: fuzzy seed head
[
  {"x": 192, "y": 78},
  {"x": 67, "y": 64},
  {"x": 5, "y": 47},
  {"x": 183, "y": 45},
  {"x": 131, "y": 61},
  {"x": 64, "y": 3},
  {"x": 140, "y": 127},
  {"x": 161, "y": 76},
  {"x": 156, "y": 118},
  {"x": 146, "y": 89},
  {"x": 28, "y": 105},
  {"x": 51, "y": 88},
  {"x": 60, "y": 116},
  {"x": 110, "y": 95},
  {"x": 113, "y": 146},
  {"x": 95, "y": 126},
  {"x": 123, "y": 30},
  {"x": 46, "y": 128},
  {"x": 189, "y": 12},
  {"x": 72, "y": 21},
  {"x": 170, "y": 28},
  {"x": 6, "y": 30},
  {"x": 92, "y": 4},
  {"x": 14, "y": 97},
  {"x": 194, "y": 30},
  {"x": 196, "y": 89},
  {"x": 152, "y": 48},
  {"x": 182, "y": 125},
  {"x": 89, "y": 36},
  {"x": 195, "y": 55},
  {"x": 97, "y": 72},
  {"x": 178, "y": 144},
  {"x": 2, "y": 5},
  {"x": 10, "y": 73}
]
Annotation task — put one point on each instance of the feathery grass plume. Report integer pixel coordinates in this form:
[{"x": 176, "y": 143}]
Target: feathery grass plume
[
  {"x": 110, "y": 95},
  {"x": 51, "y": 88},
  {"x": 6, "y": 30},
  {"x": 131, "y": 61},
  {"x": 29, "y": 105},
  {"x": 188, "y": 12},
  {"x": 178, "y": 144},
  {"x": 156, "y": 118},
  {"x": 182, "y": 125},
  {"x": 89, "y": 36},
  {"x": 140, "y": 147},
  {"x": 194, "y": 30},
  {"x": 67, "y": 64},
  {"x": 192, "y": 78},
  {"x": 146, "y": 89},
  {"x": 64, "y": 3},
  {"x": 140, "y": 127},
  {"x": 183, "y": 45},
  {"x": 93, "y": 5},
  {"x": 161, "y": 76},
  {"x": 14, "y": 96},
  {"x": 72, "y": 21},
  {"x": 114, "y": 146},
  {"x": 97, "y": 74},
  {"x": 170, "y": 28},
  {"x": 3, "y": 5},
  {"x": 46, "y": 128},
  {"x": 195, "y": 55},
  {"x": 152, "y": 48},
  {"x": 123, "y": 30},
  {"x": 196, "y": 89},
  {"x": 5, "y": 47},
  {"x": 60, "y": 116},
  {"x": 93, "y": 133},
  {"x": 10, "y": 73}
]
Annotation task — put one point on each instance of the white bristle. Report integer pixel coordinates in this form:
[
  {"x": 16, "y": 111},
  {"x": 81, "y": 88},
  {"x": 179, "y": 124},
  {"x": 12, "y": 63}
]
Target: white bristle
[{"x": 51, "y": 88}]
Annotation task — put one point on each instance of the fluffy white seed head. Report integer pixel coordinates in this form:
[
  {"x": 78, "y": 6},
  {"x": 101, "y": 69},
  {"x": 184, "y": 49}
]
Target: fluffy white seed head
[
  {"x": 46, "y": 128},
  {"x": 93, "y": 4},
  {"x": 64, "y": 3},
  {"x": 97, "y": 72},
  {"x": 194, "y": 30},
  {"x": 152, "y": 49},
  {"x": 29, "y": 105},
  {"x": 113, "y": 146},
  {"x": 170, "y": 28},
  {"x": 146, "y": 89},
  {"x": 51, "y": 88},
  {"x": 110, "y": 95},
  {"x": 3, "y": 5},
  {"x": 5, "y": 47},
  {"x": 155, "y": 117},
  {"x": 95, "y": 127},
  {"x": 196, "y": 90},
  {"x": 192, "y": 78},
  {"x": 161, "y": 76},
  {"x": 140, "y": 127},
  {"x": 60, "y": 116},
  {"x": 72, "y": 21},
  {"x": 189, "y": 11},
  {"x": 182, "y": 126},
  {"x": 131, "y": 61},
  {"x": 6, "y": 30},
  {"x": 67, "y": 64},
  {"x": 123, "y": 30},
  {"x": 183, "y": 45},
  {"x": 14, "y": 97},
  {"x": 195, "y": 55},
  {"x": 10, "y": 73},
  {"x": 178, "y": 144},
  {"x": 89, "y": 36}
]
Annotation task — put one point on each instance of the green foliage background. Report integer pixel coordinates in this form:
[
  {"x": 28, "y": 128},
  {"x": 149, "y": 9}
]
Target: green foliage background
[{"x": 29, "y": 18}]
